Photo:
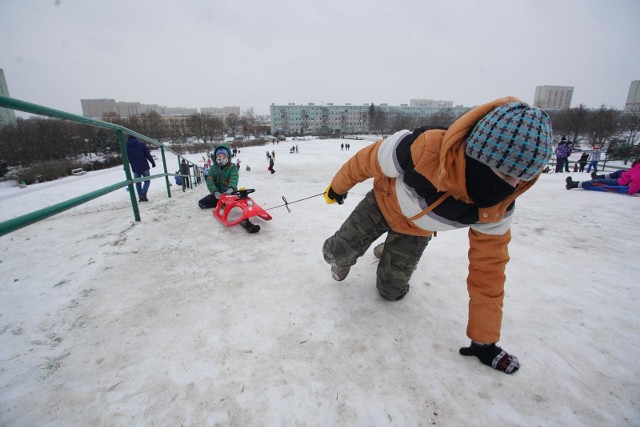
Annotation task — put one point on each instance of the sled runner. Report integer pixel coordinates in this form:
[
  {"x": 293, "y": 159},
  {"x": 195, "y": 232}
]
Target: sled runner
[{"x": 240, "y": 199}]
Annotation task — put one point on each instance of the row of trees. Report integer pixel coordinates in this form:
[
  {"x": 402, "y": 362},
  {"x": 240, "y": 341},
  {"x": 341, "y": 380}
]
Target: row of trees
[
  {"x": 382, "y": 122},
  {"x": 40, "y": 139},
  {"x": 616, "y": 130},
  {"x": 37, "y": 139}
]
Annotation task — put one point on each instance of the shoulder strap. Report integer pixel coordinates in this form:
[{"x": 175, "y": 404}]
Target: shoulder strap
[{"x": 431, "y": 207}]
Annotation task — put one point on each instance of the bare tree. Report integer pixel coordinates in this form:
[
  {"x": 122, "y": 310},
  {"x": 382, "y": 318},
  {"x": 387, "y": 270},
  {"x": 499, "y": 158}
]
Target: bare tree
[
  {"x": 232, "y": 121},
  {"x": 631, "y": 127},
  {"x": 444, "y": 117},
  {"x": 196, "y": 126},
  {"x": 571, "y": 123},
  {"x": 152, "y": 125},
  {"x": 213, "y": 126},
  {"x": 604, "y": 124}
]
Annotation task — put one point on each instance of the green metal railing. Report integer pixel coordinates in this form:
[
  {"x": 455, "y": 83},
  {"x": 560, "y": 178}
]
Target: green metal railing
[{"x": 33, "y": 217}]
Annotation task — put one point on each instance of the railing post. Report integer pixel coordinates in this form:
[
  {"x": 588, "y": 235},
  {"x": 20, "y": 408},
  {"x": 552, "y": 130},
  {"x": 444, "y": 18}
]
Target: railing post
[
  {"x": 166, "y": 176},
  {"x": 127, "y": 172}
]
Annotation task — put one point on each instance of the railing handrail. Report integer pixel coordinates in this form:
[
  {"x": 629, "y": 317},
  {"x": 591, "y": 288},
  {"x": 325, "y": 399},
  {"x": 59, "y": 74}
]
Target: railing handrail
[{"x": 35, "y": 216}]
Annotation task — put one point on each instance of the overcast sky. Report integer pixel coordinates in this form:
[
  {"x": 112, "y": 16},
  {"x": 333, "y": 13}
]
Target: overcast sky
[{"x": 252, "y": 53}]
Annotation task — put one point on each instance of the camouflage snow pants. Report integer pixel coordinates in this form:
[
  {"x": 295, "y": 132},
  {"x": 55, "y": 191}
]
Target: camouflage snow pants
[{"x": 401, "y": 253}]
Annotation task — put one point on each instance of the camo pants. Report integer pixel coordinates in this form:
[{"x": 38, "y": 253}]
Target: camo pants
[{"x": 401, "y": 253}]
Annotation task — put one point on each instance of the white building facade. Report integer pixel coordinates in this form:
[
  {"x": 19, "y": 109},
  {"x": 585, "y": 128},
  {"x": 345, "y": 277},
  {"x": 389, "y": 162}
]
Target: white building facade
[
  {"x": 633, "y": 97},
  {"x": 553, "y": 97},
  {"x": 7, "y": 116},
  {"x": 97, "y": 108},
  {"x": 309, "y": 119}
]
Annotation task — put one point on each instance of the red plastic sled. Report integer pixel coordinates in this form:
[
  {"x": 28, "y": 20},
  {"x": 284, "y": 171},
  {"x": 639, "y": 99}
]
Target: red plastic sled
[{"x": 238, "y": 199}]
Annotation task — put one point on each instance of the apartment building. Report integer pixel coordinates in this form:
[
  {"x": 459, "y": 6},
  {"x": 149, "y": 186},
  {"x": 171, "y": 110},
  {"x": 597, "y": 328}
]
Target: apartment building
[
  {"x": 97, "y": 108},
  {"x": 553, "y": 97},
  {"x": 292, "y": 119},
  {"x": 633, "y": 97},
  {"x": 7, "y": 115},
  {"x": 430, "y": 103}
]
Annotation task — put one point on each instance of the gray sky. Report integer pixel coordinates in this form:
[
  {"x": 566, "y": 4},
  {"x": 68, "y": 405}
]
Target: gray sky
[{"x": 251, "y": 53}]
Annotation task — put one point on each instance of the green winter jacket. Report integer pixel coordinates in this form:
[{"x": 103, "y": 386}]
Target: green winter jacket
[{"x": 221, "y": 178}]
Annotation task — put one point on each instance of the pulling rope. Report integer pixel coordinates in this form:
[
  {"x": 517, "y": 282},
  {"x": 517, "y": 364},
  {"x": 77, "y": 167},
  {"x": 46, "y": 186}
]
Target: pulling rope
[{"x": 286, "y": 204}]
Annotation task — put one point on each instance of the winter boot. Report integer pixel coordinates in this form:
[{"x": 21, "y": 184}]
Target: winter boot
[
  {"x": 596, "y": 176},
  {"x": 338, "y": 273},
  {"x": 143, "y": 197},
  {"x": 377, "y": 251},
  {"x": 572, "y": 184},
  {"x": 249, "y": 226}
]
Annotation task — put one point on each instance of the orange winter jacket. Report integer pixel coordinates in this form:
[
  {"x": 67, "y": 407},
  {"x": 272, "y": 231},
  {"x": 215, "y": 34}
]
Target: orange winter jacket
[{"x": 420, "y": 187}]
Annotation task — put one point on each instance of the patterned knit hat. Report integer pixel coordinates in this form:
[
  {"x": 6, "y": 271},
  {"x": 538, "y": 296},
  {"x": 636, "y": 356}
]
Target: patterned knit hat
[
  {"x": 513, "y": 138},
  {"x": 221, "y": 150}
]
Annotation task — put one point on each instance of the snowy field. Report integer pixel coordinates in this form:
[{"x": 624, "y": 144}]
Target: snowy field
[{"x": 178, "y": 320}]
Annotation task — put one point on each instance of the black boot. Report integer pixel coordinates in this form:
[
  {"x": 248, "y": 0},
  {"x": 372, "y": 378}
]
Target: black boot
[
  {"x": 572, "y": 184},
  {"x": 596, "y": 176},
  {"x": 249, "y": 226}
]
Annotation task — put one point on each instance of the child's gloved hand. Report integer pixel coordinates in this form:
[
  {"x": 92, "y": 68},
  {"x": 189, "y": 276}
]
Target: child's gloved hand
[
  {"x": 331, "y": 196},
  {"x": 229, "y": 190},
  {"x": 217, "y": 194}
]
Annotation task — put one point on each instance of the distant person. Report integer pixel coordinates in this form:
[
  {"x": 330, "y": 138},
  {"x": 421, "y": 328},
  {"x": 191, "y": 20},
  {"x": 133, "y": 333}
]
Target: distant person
[
  {"x": 562, "y": 155},
  {"x": 436, "y": 179},
  {"x": 583, "y": 161},
  {"x": 620, "y": 181},
  {"x": 138, "y": 155},
  {"x": 185, "y": 171},
  {"x": 271, "y": 164},
  {"x": 594, "y": 158}
]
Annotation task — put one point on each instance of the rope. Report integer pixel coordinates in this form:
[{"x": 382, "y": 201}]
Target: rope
[{"x": 286, "y": 204}]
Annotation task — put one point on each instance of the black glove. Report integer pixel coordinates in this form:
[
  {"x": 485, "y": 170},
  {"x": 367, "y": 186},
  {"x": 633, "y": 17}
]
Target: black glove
[
  {"x": 337, "y": 197},
  {"x": 492, "y": 355},
  {"x": 153, "y": 165}
]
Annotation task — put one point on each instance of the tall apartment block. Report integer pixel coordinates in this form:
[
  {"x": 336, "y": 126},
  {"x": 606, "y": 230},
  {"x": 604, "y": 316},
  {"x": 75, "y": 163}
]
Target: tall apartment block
[
  {"x": 7, "y": 116},
  {"x": 553, "y": 97},
  {"x": 633, "y": 98}
]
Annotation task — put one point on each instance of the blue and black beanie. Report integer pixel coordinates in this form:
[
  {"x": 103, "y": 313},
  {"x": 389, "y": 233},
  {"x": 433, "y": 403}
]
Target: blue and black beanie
[
  {"x": 514, "y": 138},
  {"x": 221, "y": 150}
]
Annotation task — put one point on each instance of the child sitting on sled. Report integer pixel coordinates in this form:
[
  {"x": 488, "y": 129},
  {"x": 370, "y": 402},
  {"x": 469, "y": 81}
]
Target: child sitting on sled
[{"x": 222, "y": 178}]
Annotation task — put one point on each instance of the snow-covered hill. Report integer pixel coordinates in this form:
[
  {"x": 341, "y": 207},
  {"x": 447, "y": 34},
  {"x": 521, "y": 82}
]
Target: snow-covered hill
[{"x": 177, "y": 320}]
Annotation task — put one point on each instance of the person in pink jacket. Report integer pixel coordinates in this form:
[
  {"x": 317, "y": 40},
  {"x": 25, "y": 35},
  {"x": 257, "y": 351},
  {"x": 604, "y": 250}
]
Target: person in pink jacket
[{"x": 620, "y": 181}]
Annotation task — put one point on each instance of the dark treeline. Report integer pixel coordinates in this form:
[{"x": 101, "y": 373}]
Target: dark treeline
[
  {"x": 617, "y": 131},
  {"x": 43, "y": 149}
]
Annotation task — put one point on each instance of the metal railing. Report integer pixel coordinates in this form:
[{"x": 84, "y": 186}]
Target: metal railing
[{"x": 33, "y": 217}]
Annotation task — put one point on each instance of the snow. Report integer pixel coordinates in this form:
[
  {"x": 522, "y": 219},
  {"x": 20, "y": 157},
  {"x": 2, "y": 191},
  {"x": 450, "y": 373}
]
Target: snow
[{"x": 178, "y": 320}]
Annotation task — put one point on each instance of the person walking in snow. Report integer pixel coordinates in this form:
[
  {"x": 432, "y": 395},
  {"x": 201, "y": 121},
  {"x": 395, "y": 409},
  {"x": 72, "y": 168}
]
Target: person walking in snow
[
  {"x": 270, "y": 168},
  {"x": 620, "y": 181},
  {"x": 437, "y": 179},
  {"x": 594, "y": 158},
  {"x": 139, "y": 159}
]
